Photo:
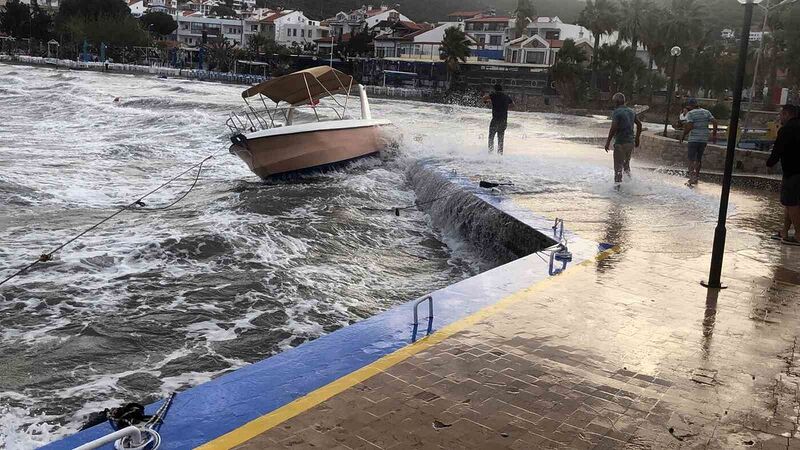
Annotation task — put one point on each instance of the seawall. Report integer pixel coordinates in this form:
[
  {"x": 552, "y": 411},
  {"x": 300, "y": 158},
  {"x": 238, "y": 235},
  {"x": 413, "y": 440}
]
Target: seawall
[
  {"x": 454, "y": 207},
  {"x": 671, "y": 153},
  {"x": 228, "y": 409}
]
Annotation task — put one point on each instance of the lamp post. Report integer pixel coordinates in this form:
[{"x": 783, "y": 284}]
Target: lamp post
[
  {"x": 767, "y": 9},
  {"x": 720, "y": 232},
  {"x": 675, "y": 52}
]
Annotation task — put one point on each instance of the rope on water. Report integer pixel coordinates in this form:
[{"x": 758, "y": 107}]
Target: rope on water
[
  {"x": 45, "y": 257},
  {"x": 416, "y": 204}
]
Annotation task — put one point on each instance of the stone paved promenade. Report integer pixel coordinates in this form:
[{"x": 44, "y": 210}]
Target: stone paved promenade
[{"x": 626, "y": 352}]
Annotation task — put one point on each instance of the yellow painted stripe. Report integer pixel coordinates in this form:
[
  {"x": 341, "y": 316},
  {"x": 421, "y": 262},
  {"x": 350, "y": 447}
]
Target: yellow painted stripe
[{"x": 262, "y": 424}]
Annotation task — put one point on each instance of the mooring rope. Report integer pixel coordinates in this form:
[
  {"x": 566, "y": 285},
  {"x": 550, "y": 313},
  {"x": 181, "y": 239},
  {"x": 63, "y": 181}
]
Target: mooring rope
[{"x": 45, "y": 257}]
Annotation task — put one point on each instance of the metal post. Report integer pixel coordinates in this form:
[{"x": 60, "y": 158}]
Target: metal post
[
  {"x": 670, "y": 93},
  {"x": 720, "y": 233},
  {"x": 755, "y": 70}
]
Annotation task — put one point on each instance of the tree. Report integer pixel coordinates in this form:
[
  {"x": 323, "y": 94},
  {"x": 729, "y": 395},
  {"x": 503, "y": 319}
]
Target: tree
[
  {"x": 15, "y": 19},
  {"x": 651, "y": 35},
  {"x": 599, "y": 17},
  {"x": 359, "y": 43},
  {"x": 91, "y": 9},
  {"x": 522, "y": 15},
  {"x": 220, "y": 54},
  {"x": 683, "y": 24},
  {"x": 620, "y": 66},
  {"x": 42, "y": 25},
  {"x": 632, "y": 20},
  {"x": 455, "y": 49},
  {"x": 159, "y": 23},
  {"x": 119, "y": 32},
  {"x": 222, "y": 11},
  {"x": 568, "y": 72}
]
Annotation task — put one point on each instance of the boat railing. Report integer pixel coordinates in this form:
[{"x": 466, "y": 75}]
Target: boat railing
[{"x": 250, "y": 119}]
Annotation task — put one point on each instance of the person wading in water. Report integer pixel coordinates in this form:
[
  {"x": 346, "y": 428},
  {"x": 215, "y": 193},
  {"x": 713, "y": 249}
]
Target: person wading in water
[
  {"x": 696, "y": 128},
  {"x": 500, "y": 103},
  {"x": 622, "y": 121}
]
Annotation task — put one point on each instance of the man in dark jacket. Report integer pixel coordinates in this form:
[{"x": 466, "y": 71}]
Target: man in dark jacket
[
  {"x": 787, "y": 151},
  {"x": 500, "y": 103}
]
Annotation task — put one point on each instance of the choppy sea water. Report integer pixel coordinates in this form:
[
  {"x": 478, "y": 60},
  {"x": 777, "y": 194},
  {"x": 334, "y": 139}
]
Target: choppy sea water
[
  {"x": 157, "y": 301},
  {"x": 162, "y": 300}
]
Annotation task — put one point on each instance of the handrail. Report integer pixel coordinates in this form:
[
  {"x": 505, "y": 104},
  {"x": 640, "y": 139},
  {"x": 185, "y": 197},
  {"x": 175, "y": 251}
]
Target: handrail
[
  {"x": 562, "y": 255},
  {"x": 429, "y": 298},
  {"x": 558, "y": 234},
  {"x": 261, "y": 123},
  {"x": 135, "y": 435}
]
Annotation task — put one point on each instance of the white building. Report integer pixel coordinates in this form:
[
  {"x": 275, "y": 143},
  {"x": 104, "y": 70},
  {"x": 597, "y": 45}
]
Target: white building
[
  {"x": 363, "y": 18},
  {"x": 165, "y": 6},
  {"x": 192, "y": 29},
  {"x": 427, "y": 44},
  {"x": 42, "y": 3},
  {"x": 137, "y": 7}
]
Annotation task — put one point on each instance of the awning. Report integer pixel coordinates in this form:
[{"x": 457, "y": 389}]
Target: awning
[{"x": 300, "y": 87}]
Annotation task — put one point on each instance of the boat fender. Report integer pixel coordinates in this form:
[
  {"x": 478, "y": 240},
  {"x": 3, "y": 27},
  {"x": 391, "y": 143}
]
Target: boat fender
[{"x": 239, "y": 139}]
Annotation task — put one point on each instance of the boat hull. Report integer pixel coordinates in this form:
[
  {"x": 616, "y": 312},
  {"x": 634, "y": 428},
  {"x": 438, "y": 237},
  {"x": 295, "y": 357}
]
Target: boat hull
[{"x": 289, "y": 152}]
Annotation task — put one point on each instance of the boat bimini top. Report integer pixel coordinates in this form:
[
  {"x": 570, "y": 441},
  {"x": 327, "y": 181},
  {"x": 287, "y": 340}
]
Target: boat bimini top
[{"x": 299, "y": 89}]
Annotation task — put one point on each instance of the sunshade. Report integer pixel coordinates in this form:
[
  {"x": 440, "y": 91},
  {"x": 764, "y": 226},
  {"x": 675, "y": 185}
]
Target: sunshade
[{"x": 296, "y": 88}]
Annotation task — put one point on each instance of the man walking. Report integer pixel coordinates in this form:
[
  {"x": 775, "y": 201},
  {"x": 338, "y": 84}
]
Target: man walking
[
  {"x": 787, "y": 150},
  {"x": 696, "y": 128},
  {"x": 622, "y": 121},
  {"x": 500, "y": 103}
]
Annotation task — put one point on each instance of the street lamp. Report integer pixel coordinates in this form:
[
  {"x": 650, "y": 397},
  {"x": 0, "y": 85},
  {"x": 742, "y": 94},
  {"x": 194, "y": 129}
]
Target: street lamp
[
  {"x": 675, "y": 52},
  {"x": 767, "y": 10},
  {"x": 720, "y": 232}
]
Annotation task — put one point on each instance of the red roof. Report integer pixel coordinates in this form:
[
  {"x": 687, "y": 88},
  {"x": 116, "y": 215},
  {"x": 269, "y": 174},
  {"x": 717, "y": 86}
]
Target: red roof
[
  {"x": 411, "y": 25},
  {"x": 376, "y": 11},
  {"x": 465, "y": 14},
  {"x": 489, "y": 19},
  {"x": 327, "y": 40},
  {"x": 273, "y": 16}
]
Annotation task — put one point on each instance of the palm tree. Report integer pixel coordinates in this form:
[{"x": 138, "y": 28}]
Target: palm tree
[
  {"x": 683, "y": 23},
  {"x": 455, "y": 49},
  {"x": 522, "y": 15},
  {"x": 599, "y": 17},
  {"x": 632, "y": 20},
  {"x": 651, "y": 34},
  {"x": 568, "y": 71}
]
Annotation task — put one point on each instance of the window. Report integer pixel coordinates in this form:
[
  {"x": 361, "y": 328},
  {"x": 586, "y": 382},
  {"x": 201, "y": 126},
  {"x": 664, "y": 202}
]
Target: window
[
  {"x": 481, "y": 38},
  {"x": 294, "y": 33},
  {"x": 495, "y": 40},
  {"x": 288, "y": 32},
  {"x": 553, "y": 35},
  {"x": 534, "y": 57},
  {"x": 302, "y": 33},
  {"x": 486, "y": 27}
]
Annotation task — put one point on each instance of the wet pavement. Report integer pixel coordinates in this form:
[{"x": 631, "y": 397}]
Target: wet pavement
[{"x": 629, "y": 351}]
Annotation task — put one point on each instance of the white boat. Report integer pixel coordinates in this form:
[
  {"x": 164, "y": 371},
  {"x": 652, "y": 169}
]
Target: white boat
[{"x": 270, "y": 142}]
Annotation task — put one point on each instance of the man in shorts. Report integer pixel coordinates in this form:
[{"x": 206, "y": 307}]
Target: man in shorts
[
  {"x": 696, "y": 128},
  {"x": 622, "y": 121},
  {"x": 787, "y": 150}
]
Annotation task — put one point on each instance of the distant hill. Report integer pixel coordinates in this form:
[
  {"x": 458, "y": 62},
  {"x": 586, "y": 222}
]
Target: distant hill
[
  {"x": 721, "y": 13},
  {"x": 432, "y": 10}
]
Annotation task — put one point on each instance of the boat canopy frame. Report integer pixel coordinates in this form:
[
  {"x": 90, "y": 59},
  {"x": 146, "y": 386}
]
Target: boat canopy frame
[{"x": 325, "y": 82}]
